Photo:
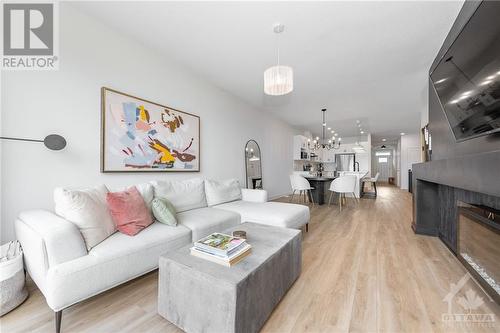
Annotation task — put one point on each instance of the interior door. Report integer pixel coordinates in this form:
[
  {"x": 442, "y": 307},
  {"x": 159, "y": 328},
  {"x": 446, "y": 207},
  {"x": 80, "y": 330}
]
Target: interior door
[{"x": 384, "y": 167}]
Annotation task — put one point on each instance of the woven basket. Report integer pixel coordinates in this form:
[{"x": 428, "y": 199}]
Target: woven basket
[{"x": 12, "y": 287}]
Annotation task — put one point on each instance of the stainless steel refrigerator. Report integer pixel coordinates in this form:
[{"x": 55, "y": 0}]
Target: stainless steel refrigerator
[{"x": 344, "y": 162}]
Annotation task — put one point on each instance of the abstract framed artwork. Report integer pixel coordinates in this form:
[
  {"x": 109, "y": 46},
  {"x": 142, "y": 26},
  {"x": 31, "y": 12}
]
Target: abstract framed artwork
[{"x": 143, "y": 136}]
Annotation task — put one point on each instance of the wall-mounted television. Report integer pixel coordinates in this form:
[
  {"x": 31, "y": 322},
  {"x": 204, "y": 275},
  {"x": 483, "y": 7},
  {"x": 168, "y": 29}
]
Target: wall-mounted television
[{"x": 467, "y": 78}]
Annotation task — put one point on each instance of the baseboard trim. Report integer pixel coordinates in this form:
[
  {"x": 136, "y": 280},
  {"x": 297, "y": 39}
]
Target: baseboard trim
[{"x": 279, "y": 196}]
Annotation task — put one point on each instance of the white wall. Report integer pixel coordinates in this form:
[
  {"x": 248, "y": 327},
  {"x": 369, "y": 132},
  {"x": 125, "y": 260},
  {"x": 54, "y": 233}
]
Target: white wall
[
  {"x": 410, "y": 153},
  {"x": 398, "y": 162},
  {"x": 67, "y": 102}
]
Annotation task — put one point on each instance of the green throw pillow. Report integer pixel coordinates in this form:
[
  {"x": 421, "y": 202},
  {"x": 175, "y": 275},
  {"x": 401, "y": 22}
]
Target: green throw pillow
[{"x": 163, "y": 211}]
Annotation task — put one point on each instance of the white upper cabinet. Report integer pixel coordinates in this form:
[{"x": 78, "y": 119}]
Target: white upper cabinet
[{"x": 300, "y": 148}]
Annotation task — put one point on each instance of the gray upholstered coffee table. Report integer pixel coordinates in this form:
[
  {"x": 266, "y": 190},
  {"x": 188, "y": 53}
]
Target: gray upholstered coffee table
[{"x": 201, "y": 296}]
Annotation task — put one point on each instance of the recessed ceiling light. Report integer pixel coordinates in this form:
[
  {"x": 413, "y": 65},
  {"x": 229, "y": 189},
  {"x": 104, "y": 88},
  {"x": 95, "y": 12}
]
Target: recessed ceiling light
[
  {"x": 333, "y": 131},
  {"x": 402, "y": 133},
  {"x": 329, "y": 128},
  {"x": 384, "y": 140},
  {"x": 324, "y": 124},
  {"x": 340, "y": 139},
  {"x": 357, "y": 121},
  {"x": 336, "y": 134},
  {"x": 362, "y": 132},
  {"x": 317, "y": 138}
]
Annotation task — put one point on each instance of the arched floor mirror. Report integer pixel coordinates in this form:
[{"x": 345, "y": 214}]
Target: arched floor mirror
[{"x": 253, "y": 165}]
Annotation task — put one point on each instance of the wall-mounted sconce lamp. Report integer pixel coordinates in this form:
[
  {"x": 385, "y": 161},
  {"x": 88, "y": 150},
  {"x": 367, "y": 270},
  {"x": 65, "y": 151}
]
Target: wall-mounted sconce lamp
[{"x": 52, "y": 141}]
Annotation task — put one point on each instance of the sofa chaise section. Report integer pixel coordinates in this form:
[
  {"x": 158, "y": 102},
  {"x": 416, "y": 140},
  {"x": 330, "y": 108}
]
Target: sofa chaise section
[{"x": 254, "y": 207}]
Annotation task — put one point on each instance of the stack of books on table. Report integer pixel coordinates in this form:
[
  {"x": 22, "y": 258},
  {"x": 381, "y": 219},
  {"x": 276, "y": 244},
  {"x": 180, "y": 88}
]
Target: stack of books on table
[{"x": 222, "y": 249}]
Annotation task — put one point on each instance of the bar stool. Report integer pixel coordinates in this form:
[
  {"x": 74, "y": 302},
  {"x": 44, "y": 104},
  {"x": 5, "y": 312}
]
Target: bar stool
[{"x": 372, "y": 180}]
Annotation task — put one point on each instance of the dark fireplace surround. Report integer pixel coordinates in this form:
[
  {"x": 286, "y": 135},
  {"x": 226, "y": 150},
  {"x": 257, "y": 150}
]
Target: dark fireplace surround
[{"x": 446, "y": 193}]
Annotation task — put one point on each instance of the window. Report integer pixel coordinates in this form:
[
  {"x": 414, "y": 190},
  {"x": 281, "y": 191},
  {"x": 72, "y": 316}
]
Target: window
[
  {"x": 383, "y": 153},
  {"x": 382, "y": 159}
]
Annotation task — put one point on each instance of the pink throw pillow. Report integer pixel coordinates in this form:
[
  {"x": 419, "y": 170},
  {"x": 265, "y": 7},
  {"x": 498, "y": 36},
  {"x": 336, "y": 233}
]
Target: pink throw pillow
[{"x": 129, "y": 211}]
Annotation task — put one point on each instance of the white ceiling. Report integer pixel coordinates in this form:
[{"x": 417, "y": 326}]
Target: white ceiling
[{"x": 361, "y": 60}]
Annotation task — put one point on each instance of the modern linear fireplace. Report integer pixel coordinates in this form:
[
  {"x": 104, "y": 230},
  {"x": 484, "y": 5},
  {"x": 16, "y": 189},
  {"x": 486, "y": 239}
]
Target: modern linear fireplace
[{"x": 479, "y": 244}]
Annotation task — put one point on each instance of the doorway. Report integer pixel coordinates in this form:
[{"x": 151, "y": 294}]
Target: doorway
[{"x": 383, "y": 164}]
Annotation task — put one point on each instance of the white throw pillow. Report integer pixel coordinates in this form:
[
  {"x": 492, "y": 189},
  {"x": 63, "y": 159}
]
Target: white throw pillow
[
  {"x": 184, "y": 195},
  {"x": 147, "y": 192},
  {"x": 88, "y": 210},
  {"x": 218, "y": 192}
]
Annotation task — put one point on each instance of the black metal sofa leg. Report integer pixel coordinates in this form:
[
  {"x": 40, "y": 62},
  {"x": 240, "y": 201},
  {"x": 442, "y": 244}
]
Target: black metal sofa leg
[{"x": 58, "y": 321}]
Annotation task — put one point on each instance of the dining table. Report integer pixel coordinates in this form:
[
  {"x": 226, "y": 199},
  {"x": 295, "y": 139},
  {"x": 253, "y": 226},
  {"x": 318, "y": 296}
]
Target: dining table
[{"x": 320, "y": 188}]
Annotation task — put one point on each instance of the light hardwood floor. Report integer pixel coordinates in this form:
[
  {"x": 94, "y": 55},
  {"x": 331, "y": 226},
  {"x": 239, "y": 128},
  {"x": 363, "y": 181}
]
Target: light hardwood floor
[{"x": 364, "y": 270}]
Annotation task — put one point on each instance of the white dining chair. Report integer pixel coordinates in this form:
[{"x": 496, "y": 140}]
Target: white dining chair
[
  {"x": 373, "y": 181},
  {"x": 302, "y": 185},
  {"x": 343, "y": 185}
]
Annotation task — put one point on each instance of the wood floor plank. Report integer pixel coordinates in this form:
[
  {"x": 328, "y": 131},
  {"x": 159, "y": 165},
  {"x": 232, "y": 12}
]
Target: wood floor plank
[{"x": 364, "y": 270}]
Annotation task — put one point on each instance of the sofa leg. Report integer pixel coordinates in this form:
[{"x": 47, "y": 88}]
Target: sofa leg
[
  {"x": 307, "y": 227},
  {"x": 58, "y": 320}
]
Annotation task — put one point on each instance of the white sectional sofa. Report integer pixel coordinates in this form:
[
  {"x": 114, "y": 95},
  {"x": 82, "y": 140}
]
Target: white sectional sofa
[{"x": 66, "y": 273}]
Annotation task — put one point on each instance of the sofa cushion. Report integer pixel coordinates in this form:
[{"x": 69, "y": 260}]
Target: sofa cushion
[
  {"x": 118, "y": 259},
  {"x": 205, "y": 221},
  {"x": 87, "y": 209},
  {"x": 129, "y": 211},
  {"x": 156, "y": 234},
  {"x": 147, "y": 192},
  {"x": 184, "y": 195},
  {"x": 218, "y": 192},
  {"x": 277, "y": 214}
]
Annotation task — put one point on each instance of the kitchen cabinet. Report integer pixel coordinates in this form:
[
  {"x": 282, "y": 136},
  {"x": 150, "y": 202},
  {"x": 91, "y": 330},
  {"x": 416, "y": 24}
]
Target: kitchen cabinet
[{"x": 300, "y": 146}]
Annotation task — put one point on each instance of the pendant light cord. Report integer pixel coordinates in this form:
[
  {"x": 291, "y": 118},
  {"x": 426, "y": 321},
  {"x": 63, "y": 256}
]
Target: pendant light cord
[
  {"x": 278, "y": 48},
  {"x": 323, "y": 124}
]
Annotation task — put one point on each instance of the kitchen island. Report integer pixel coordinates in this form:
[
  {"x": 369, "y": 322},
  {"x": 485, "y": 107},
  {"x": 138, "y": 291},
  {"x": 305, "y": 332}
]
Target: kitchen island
[{"x": 321, "y": 186}]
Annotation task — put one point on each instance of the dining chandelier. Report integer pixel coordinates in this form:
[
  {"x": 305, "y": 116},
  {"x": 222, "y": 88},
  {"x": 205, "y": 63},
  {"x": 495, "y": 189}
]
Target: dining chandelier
[
  {"x": 323, "y": 143},
  {"x": 278, "y": 80}
]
